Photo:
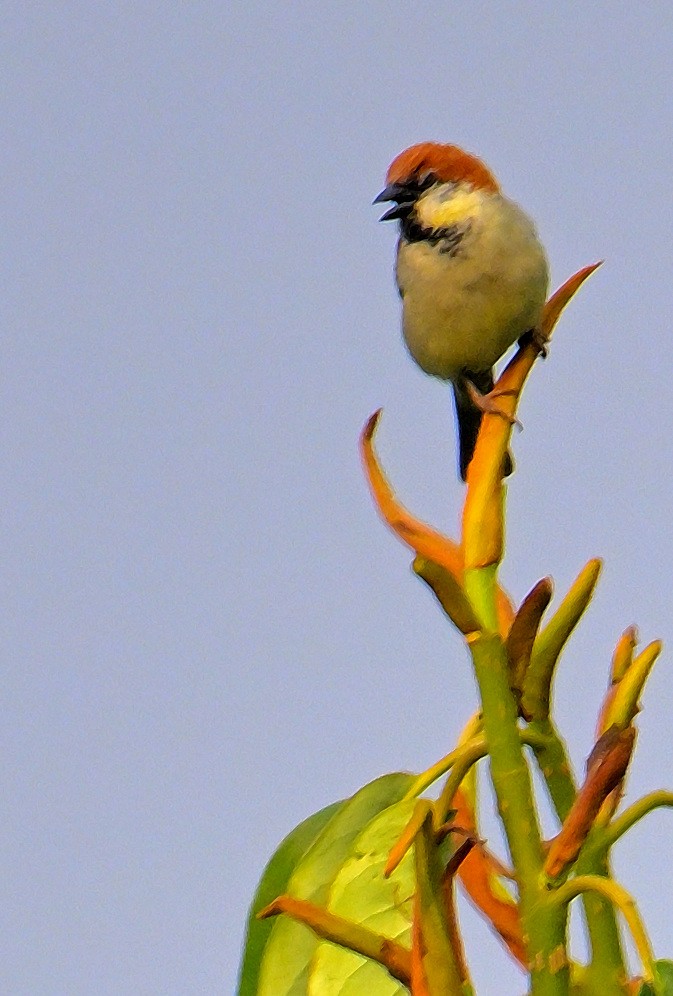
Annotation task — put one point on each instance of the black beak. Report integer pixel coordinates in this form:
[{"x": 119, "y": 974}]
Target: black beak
[
  {"x": 396, "y": 211},
  {"x": 396, "y": 192},
  {"x": 393, "y": 192}
]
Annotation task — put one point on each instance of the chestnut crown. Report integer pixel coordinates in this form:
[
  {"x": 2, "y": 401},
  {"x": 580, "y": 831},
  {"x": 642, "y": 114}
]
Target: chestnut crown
[{"x": 444, "y": 163}]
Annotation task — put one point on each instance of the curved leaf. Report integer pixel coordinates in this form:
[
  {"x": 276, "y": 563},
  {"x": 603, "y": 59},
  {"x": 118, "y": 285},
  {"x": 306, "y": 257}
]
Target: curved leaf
[
  {"x": 284, "y": 970},
  {"x": 360, "y": 892},
  {"x": 274, "y": 881}
]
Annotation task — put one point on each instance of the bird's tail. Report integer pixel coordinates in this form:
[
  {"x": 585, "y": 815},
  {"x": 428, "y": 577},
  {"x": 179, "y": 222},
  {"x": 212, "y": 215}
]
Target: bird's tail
[{"x": 469, "y": 418}]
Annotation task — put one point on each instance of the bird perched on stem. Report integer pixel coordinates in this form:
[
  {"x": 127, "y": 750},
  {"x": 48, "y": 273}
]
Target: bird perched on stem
[{"x": 471, "y": 272}]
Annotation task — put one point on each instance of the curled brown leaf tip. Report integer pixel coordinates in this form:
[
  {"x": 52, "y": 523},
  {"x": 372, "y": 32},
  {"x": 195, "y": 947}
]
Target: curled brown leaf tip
[
  {"x": 603, "y": 747},
  {"x": 459, "y": 855},
  {"x": 524, "y": 630},
  {"x": 606, "y": 767},
  {"x": 371, "y": 423}
]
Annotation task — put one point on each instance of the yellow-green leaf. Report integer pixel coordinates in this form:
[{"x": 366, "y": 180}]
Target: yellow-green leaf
[
  {"x": 284, "y": 970},
  {"x": 361, "y": 893}
]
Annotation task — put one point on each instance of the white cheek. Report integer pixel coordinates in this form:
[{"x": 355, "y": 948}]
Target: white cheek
[{"x": 448, "y": 205}]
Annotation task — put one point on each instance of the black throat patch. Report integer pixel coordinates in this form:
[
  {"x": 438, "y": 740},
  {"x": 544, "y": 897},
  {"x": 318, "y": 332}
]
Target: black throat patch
[{"x": 448, "y": 239}]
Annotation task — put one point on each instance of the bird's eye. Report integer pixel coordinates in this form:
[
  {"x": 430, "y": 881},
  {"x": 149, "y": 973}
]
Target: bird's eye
[{"x": 425, "y": 180}]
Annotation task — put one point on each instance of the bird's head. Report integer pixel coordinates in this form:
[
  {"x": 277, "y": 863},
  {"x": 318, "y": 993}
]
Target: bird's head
[{"x": 428, "y": 165}]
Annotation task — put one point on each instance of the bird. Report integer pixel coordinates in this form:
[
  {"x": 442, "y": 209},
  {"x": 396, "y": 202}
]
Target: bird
[{"x": 471, "y": 271}]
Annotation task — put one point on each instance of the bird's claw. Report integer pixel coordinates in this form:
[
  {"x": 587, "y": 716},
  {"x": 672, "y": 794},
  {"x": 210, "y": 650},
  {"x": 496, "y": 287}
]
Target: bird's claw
[
  {"x": 536, "y": 337},
  {"x": 486, "y": 403}
]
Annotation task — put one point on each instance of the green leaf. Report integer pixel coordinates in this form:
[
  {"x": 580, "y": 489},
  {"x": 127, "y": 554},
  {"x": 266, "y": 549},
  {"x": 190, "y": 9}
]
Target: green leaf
[
  {"x": 284, "y": 969},
  {"x": 361, "y": 893},
  {"x": 273, "y": 882},
  {"x": 664, "y": 981},
  {"x": 340, "y": 973}
]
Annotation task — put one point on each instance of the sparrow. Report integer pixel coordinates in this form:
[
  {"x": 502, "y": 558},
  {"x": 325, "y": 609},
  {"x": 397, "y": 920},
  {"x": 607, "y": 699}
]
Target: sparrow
[{"x": 471, "y": 271}]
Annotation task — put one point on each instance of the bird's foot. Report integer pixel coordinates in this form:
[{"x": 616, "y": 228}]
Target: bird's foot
[
  {"x": 487, "y": 403},
  {"x": 537, "y": 338}
]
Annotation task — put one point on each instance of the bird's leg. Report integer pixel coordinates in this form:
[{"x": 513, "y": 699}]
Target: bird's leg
[
  {"x": 536, "y": 337},
  {"x": 486, "y": 403}
]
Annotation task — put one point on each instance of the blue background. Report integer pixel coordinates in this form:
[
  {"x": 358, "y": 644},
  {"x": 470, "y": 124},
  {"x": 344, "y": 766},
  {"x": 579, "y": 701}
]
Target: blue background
[{"x": 207, "y": 633}]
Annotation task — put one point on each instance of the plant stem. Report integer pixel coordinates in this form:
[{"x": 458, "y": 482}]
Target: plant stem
[
  {"x": 544, "y": 925},
  {"x": 552, "y": 759},
  {"x": 635, "y": 812},
  {"x": 605, "y": 974},
  {"x": 426, "y": 778},
  {"x": 620, "y": 898}
]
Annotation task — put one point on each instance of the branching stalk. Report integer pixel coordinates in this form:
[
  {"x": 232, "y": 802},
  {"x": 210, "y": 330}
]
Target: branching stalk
[{"x": 623, "y": 901}]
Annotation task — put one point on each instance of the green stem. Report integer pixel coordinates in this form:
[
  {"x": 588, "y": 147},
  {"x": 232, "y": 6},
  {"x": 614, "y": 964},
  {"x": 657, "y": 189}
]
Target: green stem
[
  {"x": 426, "y": 778},
  {"x": 544, "y": 925},
  {"x": 480, "y": 586},
  {"x": 468, "y": 755},
  {"x": 619, "y": 897},
  {"x": 630, "y": 816},
  {"x": 606, "y": 972},
  {"x": 554, "y": 765},
  {"x": 441, "y": 963},
  {"x": 460, "y": 761}
]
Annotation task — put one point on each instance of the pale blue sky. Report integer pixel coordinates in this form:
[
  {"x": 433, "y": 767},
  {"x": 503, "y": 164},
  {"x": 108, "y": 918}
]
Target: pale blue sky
[{"x": 207, "y": 632}]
